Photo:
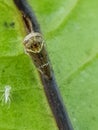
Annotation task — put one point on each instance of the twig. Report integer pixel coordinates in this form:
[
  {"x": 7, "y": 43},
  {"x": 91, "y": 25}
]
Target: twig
[{"x": 35, "y": 47}]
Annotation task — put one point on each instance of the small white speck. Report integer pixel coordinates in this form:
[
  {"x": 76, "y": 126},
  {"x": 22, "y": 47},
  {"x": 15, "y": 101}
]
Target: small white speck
[{"x": 5, "y": 98}]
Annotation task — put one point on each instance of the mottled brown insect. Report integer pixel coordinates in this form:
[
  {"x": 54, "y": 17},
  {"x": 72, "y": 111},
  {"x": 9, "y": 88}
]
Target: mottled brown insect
[{"x": 34, "y": 45}]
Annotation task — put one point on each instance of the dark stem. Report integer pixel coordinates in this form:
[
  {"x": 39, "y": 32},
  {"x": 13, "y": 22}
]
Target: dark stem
[
  {"x": 27, "y": 14},
  {"x": 34, "y": 45},
  {"x": 56, "y": 103}
]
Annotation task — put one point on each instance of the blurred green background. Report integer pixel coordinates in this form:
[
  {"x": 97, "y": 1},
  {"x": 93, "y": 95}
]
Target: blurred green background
[{"x": 71, "y": 33}]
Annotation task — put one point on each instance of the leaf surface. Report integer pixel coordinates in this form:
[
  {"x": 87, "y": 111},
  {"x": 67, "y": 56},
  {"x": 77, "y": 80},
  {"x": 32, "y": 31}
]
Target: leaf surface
[{"x": 71, "y": 33}]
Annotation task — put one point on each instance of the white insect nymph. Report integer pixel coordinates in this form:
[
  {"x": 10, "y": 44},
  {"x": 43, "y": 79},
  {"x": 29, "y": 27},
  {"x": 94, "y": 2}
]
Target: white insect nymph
[{"x": 6, "y": 95}]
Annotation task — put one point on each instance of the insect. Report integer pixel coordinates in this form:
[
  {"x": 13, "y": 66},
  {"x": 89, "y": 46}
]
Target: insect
[
  {"x": 6, "y": 95},
  {"x": 33, "y": 42},
  {"x": 34, "y": 46}
]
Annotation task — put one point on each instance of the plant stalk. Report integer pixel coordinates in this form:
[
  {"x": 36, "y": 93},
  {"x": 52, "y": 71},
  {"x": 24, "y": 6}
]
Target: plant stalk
[{"x": 35, "y": 47}]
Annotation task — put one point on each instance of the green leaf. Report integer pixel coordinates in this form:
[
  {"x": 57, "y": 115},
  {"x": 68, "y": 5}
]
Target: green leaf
[{"x": 71, "y": 33}]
